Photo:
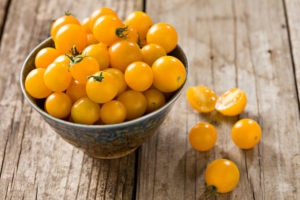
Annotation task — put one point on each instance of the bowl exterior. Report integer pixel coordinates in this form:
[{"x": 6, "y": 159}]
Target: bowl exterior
[{"x": 102, "y": 141}]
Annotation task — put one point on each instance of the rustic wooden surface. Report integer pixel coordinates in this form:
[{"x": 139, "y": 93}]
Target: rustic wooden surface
[{"x": 251, "y": 44}]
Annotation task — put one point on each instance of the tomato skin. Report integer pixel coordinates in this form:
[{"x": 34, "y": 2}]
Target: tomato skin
[
  {"x": 121, "y": 79},
  {"x": 99, "y": 13},
  {"x": 76, "y": 90},
  {"x": 85, "y": 23},
  {"x": 57, "y": 77},
  {"x": 203, "y": 136},
  {"x": 62, "y": 59},
  {"x": 169, "y": 74},
  {"x": 246, "y": 133},
  {"x": 99, "y": 52},
  {"x": 164, "y": 35},
  {"x": 152, "y": 52},
  {"x": 91, "y": 39},
  {"x": 139, "y": 21},
  {"x": 105, "y": 29},
  {"x": 113, "y": 112},
  {"x": 202, "y": 98},
  {"x": 70, "y": 35},
  {"x": 128, "y": 51},
  {"x": 45, "y": 57},
  {"x": 85, "y": 111},
  {"x": 60, "y": 22},
  {"x": 34, "y": 84},
  {"x": 232, "y": 102},
  {"x": 58, "y": 105},
  {"x": 86, "y": 67},
  {"x": 135, "y": 103},
  {"x": 139, "y": 76},
  {"x": 223, "y": 174},
  {"x": 104, "y": 91},
  {"x": 155, "y": 99}
]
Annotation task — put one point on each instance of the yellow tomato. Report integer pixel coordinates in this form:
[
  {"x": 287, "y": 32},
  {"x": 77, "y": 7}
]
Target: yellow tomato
[
  {"x": 85, "y": 111},
  {"x": 58, "y": 105},
  {"x": 57, "y": 77},
  {"x": 152, "y": 52},
  {"x": 203, "y": 136},
  {"x": 121, "y": 79},
  {"x": 91, "y": 39},
  {"x": 113, "y": 112},
  {"x": 83, "y": 66},
  {"x": 34, "y": 84},
  {"x": 140, "y": 21},
  {"x": 45, "y": 57},
  {"x": 232, "y": 102},
  {"x": 60, "y": 22},
  {"x": 164, "y": 35},
  {"x": 106, "y": 28},
  {"x": 70, "y": 35},
  {"x": 102, "y": 87},
  {"x": 202, "y": 98},
  {"x": 222, "y": 175},
  {"x": 99, "y": 13},
  {"x": 123, "y": 53},
  {"x": 139, "y": 76},
  {"x": 86, "y": 25},
  {"x": 99, "y": 52},
  {"x": 76, "y": 90},
  {"x": 135, "y": 103},
  {"x": 246, "y": 133},
  {"x": 155, "y": 99},
  {"x": 62, "y": 59},
  {"x": 169, "y": 73}
]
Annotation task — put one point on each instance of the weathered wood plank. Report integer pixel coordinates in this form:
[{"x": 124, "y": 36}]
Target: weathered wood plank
[
  {"x": 229, "y": 44},
  {"x": 35, "y": 162},
  {"x": 4, "y": 7}
]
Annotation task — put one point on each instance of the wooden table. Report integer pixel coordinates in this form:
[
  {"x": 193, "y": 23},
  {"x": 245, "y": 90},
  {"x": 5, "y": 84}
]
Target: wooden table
[{"x": 250, "y": 44}]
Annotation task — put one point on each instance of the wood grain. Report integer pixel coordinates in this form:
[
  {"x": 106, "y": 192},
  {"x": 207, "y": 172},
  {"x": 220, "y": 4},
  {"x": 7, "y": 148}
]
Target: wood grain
[
  {"x": 35, "y": 163},
  {"x": 229, "y": 43}
]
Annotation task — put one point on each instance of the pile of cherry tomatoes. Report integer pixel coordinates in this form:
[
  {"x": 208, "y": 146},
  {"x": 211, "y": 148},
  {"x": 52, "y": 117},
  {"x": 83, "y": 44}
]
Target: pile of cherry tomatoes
[
  {"x": 105, "y": 71},
  {"x": 222, "y": 175}
]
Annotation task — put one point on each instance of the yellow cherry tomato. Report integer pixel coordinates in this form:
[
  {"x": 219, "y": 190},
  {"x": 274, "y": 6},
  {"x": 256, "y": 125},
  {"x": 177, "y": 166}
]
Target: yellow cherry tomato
[
  {"x": 70, "y": 35},
  {"x": 246, "y": 133},
  {"x": 135, "y": 103},
  {"x": 121, "y": 79},
  {"x": 83, "y": 66},
  {"x": 62, "y": 59},
  {"x": 85, "y": 23},
  {"x": 222, "y": 175},
  {"x": 140, "y": 21},
  {"x": 169, "y": 74},
  {"x": 34, "y": 84},
  {"x": 203, "y": 136},
  {"x": 139, "y": 76},
  {"x": 123, "y": 53},
  {"x": 76, "y": 90},
  {"x": 60, "y": 22},
  {"x": 85, "y": 111},
  {"x": 58, "y": 105},
  {"x": 102, "y": 87},
  {"x": 155, "y": 99},
  {"x": 202, "y": 98},
  {"x": 128, "y": 34},
  {"x": 99, "y": 52},
  {"x": 152, "y": 52},
  {"x": 232, "y": 102},
  {"x": 91, "y": 39},
  {"x": 164, "y": 35},
  {"x": 45, "y": 57},
  {"x": 113, "y": 112},
  {"x": 99, "y": 13},
  {"x": 57, "y": 77},
  {"x": 106, "y": 29}
]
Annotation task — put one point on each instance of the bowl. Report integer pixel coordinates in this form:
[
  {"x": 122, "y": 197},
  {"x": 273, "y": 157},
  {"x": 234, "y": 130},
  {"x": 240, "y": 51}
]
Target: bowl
[{"x": 103, "y": 141}]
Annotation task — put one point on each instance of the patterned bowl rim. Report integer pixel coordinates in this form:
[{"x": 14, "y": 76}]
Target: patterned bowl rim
[{"x": 76, "y": 125}]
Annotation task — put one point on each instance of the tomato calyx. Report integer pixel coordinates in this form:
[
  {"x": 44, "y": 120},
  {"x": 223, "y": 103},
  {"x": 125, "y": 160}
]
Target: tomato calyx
[
  {"x": 74, "y": 60},
  {"x": 120, "y": 32},
  {"x": 97, "y": 78},
  {"x": 67, "y": 13},
  {"x": 139, "y": 42},
  {"x": 74, "y": 51},
  {"x": 211, "y": 191}
]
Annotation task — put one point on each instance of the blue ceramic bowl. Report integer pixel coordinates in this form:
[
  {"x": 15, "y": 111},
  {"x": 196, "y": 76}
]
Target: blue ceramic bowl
[{"x": 102, "y": 141}]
